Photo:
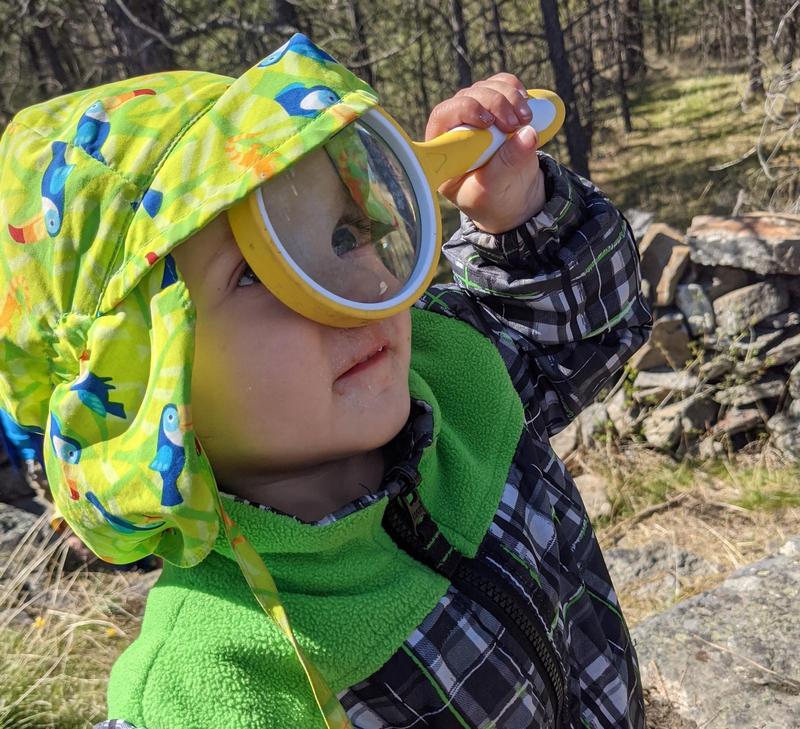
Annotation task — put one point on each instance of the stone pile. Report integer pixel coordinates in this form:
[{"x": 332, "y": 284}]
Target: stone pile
[{"x": 722, "y": 366}]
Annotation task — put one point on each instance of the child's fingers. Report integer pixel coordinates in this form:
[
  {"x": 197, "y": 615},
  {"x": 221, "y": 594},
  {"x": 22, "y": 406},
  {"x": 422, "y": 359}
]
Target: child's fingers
[
  {"x": 503, "y": 102},
  {"x": 457, "y": 110},
  {"x": 500, "y": 99},
  {"x": 516, "y": 96}
]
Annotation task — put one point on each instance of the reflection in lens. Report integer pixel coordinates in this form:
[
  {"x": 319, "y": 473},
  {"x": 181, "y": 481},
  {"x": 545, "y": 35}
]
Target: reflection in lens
[{"x": 347, "y": 216}]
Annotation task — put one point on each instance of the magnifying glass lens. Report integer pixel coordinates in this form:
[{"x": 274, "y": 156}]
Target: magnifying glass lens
[{"x": 346, "y": 217}]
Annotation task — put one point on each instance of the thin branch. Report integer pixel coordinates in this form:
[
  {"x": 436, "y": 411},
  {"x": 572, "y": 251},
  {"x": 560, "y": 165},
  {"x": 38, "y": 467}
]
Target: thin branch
[{"x": 146, "y": 28}]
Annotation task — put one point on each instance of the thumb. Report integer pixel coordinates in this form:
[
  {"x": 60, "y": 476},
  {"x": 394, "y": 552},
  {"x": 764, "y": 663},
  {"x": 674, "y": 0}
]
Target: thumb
[
  {"x": 518, "y": 148},
  {"x": 515, "y": 154}
]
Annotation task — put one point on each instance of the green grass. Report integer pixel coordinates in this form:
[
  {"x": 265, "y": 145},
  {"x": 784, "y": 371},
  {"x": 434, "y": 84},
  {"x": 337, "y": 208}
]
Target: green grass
[{"x": 683, "y": 125}]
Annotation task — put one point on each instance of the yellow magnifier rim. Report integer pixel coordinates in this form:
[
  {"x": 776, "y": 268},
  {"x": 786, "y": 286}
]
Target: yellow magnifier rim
[{"x": 429, "y": 164}]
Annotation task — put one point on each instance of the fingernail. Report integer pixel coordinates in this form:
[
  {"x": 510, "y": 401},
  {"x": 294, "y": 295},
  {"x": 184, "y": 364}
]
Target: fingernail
[
  {"x": 512, "y": 120},
  {"x": 525, "y": 111},
  {"x": 523, "y": 94},
  {"x": 486, "y": 117}
]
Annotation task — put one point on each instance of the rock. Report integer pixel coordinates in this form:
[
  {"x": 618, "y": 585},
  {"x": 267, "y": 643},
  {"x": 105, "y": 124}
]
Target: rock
[
  {"x": 591, "y": 422},
  {"x": 787, "y": 351},
  {"x": 784, "y": 320},
  {"x": 566, "y": 441},
  {"x": 742, "y": 308},
  {"x": 657, "y": 567},
  {"x": 619, "y": 413},
  {"x": 794, "y": 410},
  {"x": 696, "y": 307},
  {"x": 757, "y": 342},
  {"x": 725, "y": 279},
  {"x": 715, "y": 368},
  {"x": 665, "y": 426},
  {"x": 794, "y": 382},
  {"x": 785, "y": 432},
  {"x": 671, "y": 275},
  {"x": 594, "y": 492},
  {"x": 728, "y": 657},
  {"x": 658, "y": 384},
  {"x": 751, "y": 392},
  {"x": 14, "y": 525},
  {"x": 738, "y": 420},
  {"x": 710, "y": 447},
  {"x": 791, "y": 548},
  {"x": 639, "y": 220},
  {"x": 663, "y": 260},
  {"x": 668, "y": 345},
  {"x": 761, "y": 242}
]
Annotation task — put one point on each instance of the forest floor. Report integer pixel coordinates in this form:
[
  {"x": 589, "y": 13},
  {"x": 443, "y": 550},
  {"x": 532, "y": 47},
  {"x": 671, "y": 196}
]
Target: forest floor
[{"x": 684, "y": 126}]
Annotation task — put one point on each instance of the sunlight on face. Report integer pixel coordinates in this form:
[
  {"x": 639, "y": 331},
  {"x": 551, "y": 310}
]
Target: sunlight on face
[{"x": 273, "y": 391}]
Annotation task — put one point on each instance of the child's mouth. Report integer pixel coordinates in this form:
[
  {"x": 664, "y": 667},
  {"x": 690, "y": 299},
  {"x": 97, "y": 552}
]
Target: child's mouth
[{"x": 367, "y": 362}]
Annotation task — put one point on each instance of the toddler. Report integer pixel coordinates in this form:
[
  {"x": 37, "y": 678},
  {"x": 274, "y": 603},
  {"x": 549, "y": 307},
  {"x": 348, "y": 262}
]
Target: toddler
[{"x": 385, "y": 493}]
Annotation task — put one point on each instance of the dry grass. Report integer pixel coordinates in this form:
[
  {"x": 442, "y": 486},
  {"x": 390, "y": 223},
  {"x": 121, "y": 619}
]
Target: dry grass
[
  {"x": 729, "y": 512},
  {"x": 60, "y": 632}
]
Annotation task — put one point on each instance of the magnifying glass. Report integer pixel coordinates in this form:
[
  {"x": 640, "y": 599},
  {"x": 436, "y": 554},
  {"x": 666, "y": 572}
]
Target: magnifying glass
[{"x": 351, "y": 232}]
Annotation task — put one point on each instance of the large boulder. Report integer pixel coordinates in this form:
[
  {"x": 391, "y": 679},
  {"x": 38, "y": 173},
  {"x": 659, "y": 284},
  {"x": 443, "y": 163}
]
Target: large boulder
[
  {"x": 728, "y": 657},
  {"x": 761, "y": 242}
]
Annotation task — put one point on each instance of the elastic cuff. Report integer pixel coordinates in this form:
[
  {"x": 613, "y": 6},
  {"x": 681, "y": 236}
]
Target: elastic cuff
[{"x": 539, "y": 238}]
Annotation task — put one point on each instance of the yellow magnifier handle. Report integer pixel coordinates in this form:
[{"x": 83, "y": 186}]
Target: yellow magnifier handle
[{"x": 466, "y": 148}]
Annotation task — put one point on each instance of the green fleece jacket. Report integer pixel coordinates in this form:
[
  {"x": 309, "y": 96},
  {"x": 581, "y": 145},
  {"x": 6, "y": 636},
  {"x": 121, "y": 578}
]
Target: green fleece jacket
[{"x": 208, "y": 657}]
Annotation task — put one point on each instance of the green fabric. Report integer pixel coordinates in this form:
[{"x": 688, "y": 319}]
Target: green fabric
[
  {"x": 207, "y": 657},
  {"x": 477, "y": 436},
  {"x": 96, "y": 325}
]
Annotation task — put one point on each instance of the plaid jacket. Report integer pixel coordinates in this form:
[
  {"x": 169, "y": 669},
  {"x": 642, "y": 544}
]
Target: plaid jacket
[{"x": 561, "y": 298}]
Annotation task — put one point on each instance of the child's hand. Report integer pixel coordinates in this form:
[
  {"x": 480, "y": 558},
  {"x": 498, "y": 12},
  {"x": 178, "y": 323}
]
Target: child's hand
[{"x": 508, "y": 189}]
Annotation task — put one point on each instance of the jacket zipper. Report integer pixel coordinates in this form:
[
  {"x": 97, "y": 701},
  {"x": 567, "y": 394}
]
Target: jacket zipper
[{"x": 480, "y": 583}]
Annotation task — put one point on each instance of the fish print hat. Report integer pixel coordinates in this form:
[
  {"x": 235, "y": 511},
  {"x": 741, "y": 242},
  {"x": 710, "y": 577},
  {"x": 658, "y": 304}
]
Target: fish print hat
[{"x": 96, "y": 323}]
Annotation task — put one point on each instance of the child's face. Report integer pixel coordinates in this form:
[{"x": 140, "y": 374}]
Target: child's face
[{"x": 273, "y": 391}]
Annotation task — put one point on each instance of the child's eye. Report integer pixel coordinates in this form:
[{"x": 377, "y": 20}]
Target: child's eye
[
  {"x": 350, "y": 233},
  {"x": 248, "y": 277}
]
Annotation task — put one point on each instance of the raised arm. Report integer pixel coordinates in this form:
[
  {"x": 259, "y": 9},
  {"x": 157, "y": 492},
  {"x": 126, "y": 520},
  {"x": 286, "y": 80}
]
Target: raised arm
[{"x": 560, "y": 295}]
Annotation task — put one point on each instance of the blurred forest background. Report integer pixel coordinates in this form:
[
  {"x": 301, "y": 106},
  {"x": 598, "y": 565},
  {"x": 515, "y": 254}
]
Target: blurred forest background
[
  {"x": 675, "y": 110},
  {"x": 663, "y": 97}
]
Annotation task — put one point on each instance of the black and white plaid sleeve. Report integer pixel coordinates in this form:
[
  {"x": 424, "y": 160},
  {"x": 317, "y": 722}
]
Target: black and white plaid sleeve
[{"x": 560, "y": 295}]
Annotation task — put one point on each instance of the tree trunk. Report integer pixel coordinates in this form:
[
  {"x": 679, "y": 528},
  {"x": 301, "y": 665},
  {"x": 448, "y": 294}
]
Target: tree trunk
[
  {"x": 463, "y": 65},
  {"x": 658, "y": 29},
  {"x": 422, "y": 70},
  {"x": 59, "y": 82},
  {"x": 633, "y": 34},
  {"x": 499, "y": 44},
  {"x": 589, "y": 71},
  {"x": 356, "y": 21},
  {"x": 286, "y": 20},
  {"x": 576, "y": 139},
  {"x": 621, "y": 84},
  {"x": 143, "y": 52},
  {"x": 756, "y": 85}
]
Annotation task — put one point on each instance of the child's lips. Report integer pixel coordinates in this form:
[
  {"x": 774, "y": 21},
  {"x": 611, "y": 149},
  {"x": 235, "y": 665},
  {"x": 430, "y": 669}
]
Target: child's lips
[{"x": 377, "y": 355}]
